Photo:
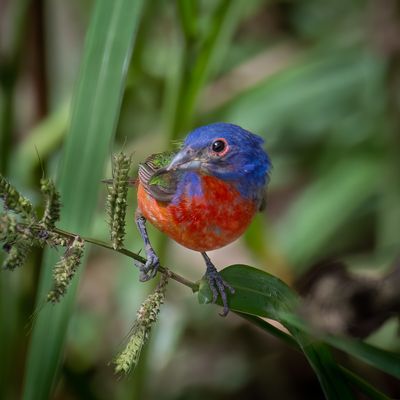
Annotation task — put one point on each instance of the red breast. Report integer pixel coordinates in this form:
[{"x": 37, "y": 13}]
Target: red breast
[{"x": 202, "y": 223}]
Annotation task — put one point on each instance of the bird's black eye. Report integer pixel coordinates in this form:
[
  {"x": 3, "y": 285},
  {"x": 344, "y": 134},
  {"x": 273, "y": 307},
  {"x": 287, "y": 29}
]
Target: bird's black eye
[{"x": 219, "y": 146}]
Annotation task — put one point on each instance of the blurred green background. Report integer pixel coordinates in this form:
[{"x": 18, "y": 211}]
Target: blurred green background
[{"x": 320, "y": 81}]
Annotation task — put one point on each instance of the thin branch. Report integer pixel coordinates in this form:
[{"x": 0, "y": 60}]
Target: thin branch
[{"x": 192, "y": 285}]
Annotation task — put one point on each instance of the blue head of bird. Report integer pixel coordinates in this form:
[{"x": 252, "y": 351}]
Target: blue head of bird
[{"x": 227, "y": 152}]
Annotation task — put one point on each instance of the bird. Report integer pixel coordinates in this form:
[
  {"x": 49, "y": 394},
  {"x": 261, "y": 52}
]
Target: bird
[{"x": 203, "y": 196}]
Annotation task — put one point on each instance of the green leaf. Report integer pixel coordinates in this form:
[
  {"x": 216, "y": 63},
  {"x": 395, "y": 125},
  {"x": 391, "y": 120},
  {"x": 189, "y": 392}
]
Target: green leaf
[
  {"x": 256, "y": 292},
  {"x": 273, "y": 330},
  {"x": 259, "y": 293},
  {"x": 325, "y": 367},
  {"x": 362, "y": 385},
  {"x": 382, "y": 359},
  {"x": 262, "y": 294},
  {"x": 108, "y": 48}
]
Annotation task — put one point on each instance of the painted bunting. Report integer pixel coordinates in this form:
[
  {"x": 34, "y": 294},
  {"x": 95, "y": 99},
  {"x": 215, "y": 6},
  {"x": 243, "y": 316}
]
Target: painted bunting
[{"x": 204, "y": 195}]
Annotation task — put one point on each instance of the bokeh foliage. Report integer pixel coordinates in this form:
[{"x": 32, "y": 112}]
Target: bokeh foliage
[{"x": 319, "y": 81}]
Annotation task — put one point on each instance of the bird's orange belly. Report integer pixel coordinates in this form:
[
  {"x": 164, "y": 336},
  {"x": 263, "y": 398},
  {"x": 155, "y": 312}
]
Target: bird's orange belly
[{"x": 201, "y": 223}]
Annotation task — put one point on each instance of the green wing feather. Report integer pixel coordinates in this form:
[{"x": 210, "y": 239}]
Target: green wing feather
[
  {"x": 156, "y": 180},
  {"x": 161, "y": 160}
]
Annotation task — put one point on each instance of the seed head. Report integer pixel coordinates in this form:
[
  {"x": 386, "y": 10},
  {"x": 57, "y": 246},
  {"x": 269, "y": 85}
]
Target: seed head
[
  {"x": 8, "y": 228},
  {"x": 17, "y": 254},
  {"x": 65, "y": 270},
  {"x": 13, "y": 200},
  {"x": 52, "y": 203},
  {"x": 146, "y": 316},
  {"x": 116, "y": 199}
]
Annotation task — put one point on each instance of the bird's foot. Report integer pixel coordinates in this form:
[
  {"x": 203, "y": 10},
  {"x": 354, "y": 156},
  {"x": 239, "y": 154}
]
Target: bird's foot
[
  {"x": 218, "y": 286},
  {"x": 149, "y": 269}
]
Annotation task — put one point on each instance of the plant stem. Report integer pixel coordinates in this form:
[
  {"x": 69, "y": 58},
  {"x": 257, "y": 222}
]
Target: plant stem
[{"x": 192, "y": 285}]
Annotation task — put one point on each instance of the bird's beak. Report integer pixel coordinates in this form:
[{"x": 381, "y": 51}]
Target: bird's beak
[{"x": 184, "y": 160}]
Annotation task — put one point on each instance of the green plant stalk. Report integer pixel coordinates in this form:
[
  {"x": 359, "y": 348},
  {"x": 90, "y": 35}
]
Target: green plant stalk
[
  {"x": 194, "y": 74},
  {"x": 107, "y": 52},
  {"x": 187, "y": 15}
]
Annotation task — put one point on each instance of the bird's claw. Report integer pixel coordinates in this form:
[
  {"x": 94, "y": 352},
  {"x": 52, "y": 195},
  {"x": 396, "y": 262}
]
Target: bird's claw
[
  {"x": 218, "y": 286},
  {"x": 149, "y": 269}
]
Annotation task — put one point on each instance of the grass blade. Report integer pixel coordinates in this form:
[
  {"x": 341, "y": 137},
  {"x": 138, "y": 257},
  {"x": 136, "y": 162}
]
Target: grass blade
[
  {"x": 356, "y": 381},
  {"x": 381, "y": 359},
  {"x": 96, "y": 105},
  {"x": 384, "y": 360},
  {"x": 326, "y": 369},
  {"x": 364, "y": 386}
]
